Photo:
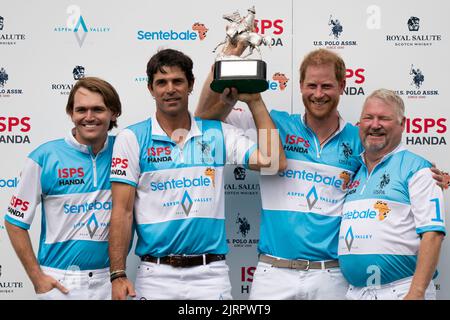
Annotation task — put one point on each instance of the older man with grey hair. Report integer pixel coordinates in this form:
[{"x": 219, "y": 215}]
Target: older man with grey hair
[{"x": 393, "y": 217}]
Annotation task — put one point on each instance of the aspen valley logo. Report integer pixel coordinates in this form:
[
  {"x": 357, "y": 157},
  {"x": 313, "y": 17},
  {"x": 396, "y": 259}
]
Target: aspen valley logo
[{"x": 79, "y": 26}]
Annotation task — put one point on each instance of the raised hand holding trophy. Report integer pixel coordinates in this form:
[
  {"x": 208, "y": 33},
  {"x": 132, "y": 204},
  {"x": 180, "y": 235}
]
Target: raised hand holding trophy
[{"x": 235, "y": 69}]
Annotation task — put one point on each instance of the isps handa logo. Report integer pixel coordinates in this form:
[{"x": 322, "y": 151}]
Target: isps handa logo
[
  {"x": 197, "y": 31},
  {"x": 80, "y": 26},
  {"x": 64, "y": 86},
  {"x": 418, "y": 88},
  {"x": 8, "y": 286},
  {"x": 7, "y": 91},
  {"x": 14, "y": 130},
  {"x": 426, "y": 131},
  {"x": 355, "y": 78},
  {"x": 413, "y": 35},
  {"x": 336, "y": 34}
]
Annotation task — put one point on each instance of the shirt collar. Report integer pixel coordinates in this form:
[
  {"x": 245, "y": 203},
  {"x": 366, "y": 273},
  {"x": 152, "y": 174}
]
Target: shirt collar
[
  {"x": 342, "y": 124},
  {"x": 159, "y": 134},
  {"x": 399, "y": 148},
  {"x": 70, "y": 140}
]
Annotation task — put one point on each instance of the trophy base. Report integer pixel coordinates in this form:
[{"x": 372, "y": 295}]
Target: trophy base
[{"x": 247, "y": 76}]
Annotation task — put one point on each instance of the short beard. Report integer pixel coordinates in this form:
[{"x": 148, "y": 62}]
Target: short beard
[{"x": 374, "y": 147}]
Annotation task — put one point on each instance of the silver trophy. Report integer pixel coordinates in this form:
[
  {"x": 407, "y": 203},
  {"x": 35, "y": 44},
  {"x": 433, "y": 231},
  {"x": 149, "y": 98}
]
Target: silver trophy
[{"x": 246, "y": 74}]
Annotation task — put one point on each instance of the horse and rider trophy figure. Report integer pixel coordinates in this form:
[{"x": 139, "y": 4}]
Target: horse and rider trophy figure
[{"x": 241, "y": 72}]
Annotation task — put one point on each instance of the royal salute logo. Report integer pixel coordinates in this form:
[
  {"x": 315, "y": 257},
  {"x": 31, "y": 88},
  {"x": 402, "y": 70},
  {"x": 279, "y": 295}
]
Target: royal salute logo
[
  {"x": 63, "y": 87},
  {"x": 239, "y": 187},
  {"x": 8, "y": 38},
  {"x": 6, "y": 285},
  {"x": 78, "y": 72},
  {"x": 413, "y": 24},
  {"x": 417, "y": 85},
  {"x": 14, "y": 130},
  {"x": 196, "y": 32},
  {"x": 414, "y": 38},
  {"x": 79, "y": 27},
  {"x": 383, "y": 209},
  {"x": 239, "y": 173},
  {"x": 336, "y": 33},
  {"x": 426, "y": 131},
  {"x": 5, "y": 90}
]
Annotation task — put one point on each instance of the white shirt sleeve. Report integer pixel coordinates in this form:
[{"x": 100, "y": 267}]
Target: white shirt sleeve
[
  {"x": 242, "y": 118},
  {"x": 125, "y": 161},
  {"x": 427, "y": 203},
  {"x": 238, "y": 146},
  {"x": 27, "y": 197}
]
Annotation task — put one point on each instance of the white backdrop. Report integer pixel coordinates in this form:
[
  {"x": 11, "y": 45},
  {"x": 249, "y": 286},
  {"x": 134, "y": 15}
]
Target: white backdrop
[{"x": 39, "y": 50}]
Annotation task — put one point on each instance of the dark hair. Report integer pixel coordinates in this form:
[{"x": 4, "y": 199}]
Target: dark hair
[
  {"x": 323, "y": 57},
  {"x": 105, "y": 89},
  {"x": 170, "y": 58}
]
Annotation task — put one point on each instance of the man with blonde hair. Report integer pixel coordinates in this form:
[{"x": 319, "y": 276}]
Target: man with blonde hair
[{"x": 393, "y": 220}]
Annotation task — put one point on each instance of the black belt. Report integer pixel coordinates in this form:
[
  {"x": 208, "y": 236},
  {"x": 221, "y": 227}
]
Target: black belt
[{"x": 183, "y": 261}]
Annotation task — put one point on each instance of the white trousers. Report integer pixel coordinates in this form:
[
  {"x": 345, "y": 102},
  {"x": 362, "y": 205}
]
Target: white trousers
[
  {"x": 82, "y": 284},
  {"x": 396, "y": 290},
  {"x": 273, "y": 283},
  {"x": 164, "y": 282}
]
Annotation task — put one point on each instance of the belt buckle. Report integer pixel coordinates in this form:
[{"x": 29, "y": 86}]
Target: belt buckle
[
  {"x": 176, "y": 261},
  {"x": 307, "y": 265}
]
